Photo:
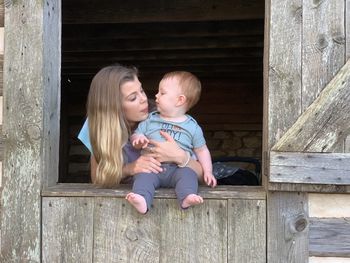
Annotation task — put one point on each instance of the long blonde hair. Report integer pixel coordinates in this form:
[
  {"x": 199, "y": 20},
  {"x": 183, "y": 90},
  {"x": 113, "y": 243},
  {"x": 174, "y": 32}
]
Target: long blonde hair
[{"x": 108, "y": 128}]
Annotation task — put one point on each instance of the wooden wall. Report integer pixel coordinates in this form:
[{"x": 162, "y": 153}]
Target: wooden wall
[
  {"x": 308, "y": 44},
  {"x": 82, "y": 224},
  {"x": 1, "y": 87}
]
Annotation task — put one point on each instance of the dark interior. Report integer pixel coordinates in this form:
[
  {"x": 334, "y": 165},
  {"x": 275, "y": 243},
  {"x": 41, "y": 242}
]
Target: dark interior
[{"x": 221, "y": 42}]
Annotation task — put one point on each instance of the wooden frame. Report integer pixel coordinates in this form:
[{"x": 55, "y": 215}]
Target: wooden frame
[{"x": 31, "y": 121}]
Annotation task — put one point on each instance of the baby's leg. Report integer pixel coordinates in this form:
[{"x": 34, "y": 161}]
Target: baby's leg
[
  {"x": 143, "y": 190},
  {"x": 186, "y": 187}
]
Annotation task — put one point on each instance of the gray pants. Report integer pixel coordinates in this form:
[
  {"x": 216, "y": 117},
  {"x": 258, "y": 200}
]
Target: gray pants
[{"x": 183, "y": 179}]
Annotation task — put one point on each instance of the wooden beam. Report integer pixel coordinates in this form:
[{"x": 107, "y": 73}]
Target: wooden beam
[
  {"x": 2, "y": 13},
  {"x": 287, "y": 227},
  {"x": 325, "y": 122},
  {"x": 284, "y": 67},
  {"x": 323, "y": 46},
  {"x": 110, "y": 11},
  {"x": 159, "y": 30},
  {"x": 166, "y": 43},
  {"x": 152, "y": 55},
  {"x": 329, "y": 237},
  {"x": 99, "y": 62},
  {"x": 347, "y": 28},
  {"x": 30, "y": 71},
  {"x": 310, "y": 168},
  {"x": 89, "y": 190}
]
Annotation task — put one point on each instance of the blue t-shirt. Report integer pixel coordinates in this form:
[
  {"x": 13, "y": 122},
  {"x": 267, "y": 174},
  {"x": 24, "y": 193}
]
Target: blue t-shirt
[
  {"x": 130, "y": 153},
  {"x": 188, "y": 134}
]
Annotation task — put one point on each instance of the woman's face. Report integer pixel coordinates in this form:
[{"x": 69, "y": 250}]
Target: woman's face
[{"x": 134, "y": 102}]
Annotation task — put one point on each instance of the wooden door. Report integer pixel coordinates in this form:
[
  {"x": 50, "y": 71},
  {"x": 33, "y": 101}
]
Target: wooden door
[{"x": 307, "y": 120}]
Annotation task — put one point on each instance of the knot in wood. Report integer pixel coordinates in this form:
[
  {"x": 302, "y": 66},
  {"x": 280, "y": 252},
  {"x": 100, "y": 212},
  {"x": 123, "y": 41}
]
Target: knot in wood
[
  {"x": 33, "y": 131},
  {"x": 298, "y": 224},
  {"x": 301, "y": 224},
  {"x": 131, "y": 235}
]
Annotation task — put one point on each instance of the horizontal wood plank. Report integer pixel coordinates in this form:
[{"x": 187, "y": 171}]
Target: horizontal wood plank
[
  {"x": 310, "y": 168},
  {"x": 329, "y": 237},
  {"x": 111, "y": 11},
  {"x": 220, "y": 192},
  {"x": 165, "y": 29}
]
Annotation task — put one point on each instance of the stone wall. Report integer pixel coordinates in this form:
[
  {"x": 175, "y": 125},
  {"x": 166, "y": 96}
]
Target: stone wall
[{"x": 235, "y": 143}]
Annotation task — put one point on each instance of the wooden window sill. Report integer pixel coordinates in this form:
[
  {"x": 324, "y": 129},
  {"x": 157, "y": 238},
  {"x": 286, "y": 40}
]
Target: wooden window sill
[{"x": 89, "y": 190}]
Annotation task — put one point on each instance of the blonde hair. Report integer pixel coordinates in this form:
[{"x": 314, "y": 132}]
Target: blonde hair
[
  {"x": 108, "y": 128},
  {"x": 190, "y": 86}
]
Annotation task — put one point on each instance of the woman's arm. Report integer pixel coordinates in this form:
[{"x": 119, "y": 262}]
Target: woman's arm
[{"x": 144, "y": 164}]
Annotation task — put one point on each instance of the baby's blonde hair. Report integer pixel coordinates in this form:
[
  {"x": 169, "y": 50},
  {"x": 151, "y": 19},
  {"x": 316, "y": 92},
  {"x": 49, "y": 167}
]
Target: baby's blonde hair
[{"x": 190, "y": 86}]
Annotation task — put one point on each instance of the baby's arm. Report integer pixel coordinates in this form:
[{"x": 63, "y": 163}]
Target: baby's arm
[
  {"x": 204, "y": 158},
  {"x": 139, "y": 141}
]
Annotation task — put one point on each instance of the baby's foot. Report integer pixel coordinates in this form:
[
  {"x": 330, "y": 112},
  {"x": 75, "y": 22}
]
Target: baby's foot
[
  {"x": 191, "y": 200},
  {"x": 137, "y": 201}
]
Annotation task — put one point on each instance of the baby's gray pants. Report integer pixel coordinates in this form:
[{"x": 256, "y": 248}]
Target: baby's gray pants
[{"x": 183, "y": 179}]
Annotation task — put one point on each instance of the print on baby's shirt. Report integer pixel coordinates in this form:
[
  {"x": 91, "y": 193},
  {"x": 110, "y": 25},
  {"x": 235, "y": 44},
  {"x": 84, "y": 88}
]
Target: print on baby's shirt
[{"x": 173, "y": 130}]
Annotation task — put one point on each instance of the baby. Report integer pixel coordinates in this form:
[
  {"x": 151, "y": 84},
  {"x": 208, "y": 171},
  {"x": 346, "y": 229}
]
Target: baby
[{"x": 178, "y": 92}]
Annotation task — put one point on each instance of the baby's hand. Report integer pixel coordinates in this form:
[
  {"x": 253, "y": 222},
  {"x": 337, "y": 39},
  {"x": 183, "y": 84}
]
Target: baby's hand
[
  {"x": 140, "y": 142},
  {"x": 209, "y": 179}
]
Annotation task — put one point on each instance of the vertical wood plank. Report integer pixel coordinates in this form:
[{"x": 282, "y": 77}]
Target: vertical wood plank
[
  {"x": 247, "y": 231},
  {"x": 25, "y": 167},
  {"x": 198, "y": 234},
  {"x": 287, "y": 228},
  {"x": 123, "y": 235},
  {"x": 284, "y": 67},
  {"x": 324, "y": 47},
  {"x": 347, "y": 29},
  {"x": 67, "y": 229},
  {"x": 52, "y": 90}
]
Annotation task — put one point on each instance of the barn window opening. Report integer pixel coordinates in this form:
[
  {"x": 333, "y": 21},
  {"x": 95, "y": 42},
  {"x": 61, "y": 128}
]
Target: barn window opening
[{"x": 221, "y": 42}]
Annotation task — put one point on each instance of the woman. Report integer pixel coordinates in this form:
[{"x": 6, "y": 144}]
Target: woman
[{"x": 116, "y": 104}]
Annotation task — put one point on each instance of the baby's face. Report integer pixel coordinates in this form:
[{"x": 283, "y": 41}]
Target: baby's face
[{"x": 168, "y": 96}]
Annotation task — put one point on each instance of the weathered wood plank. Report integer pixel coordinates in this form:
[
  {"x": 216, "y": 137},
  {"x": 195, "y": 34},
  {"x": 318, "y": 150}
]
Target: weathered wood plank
[
  {"x": 24, "y": 164},
  {"x": 323, "y": 45},
  {"x": 123, "y": 235},
  {"x": 111, "y": 11},
  {"x": 51, "y": 90},
  {"x": 347, "y": 28},
  {"x": 284, "y": 66},
  {"x": 311, "y": 188},
  {"x": 310, "y": 168},
  {"x": 329, "y": 237},
  {"x": 325, "y": 122},
  {"x": 287, "y": 224},
  {"x": 246, "y": 231},
  {"x": 2, "y": 13},
  {"x": 1, "y": 72},
  {"x": 329, "y": 205},
  {"x": 67, "y": 229},
  {"x": 198, "y": 234},
  {"x": 220, "y": 192},
  {"x": 328, "y": 260}
]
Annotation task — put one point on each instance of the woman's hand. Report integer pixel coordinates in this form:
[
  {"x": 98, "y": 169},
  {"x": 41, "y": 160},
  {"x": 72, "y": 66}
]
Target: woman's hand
[
  {"x": 144, "y": 164},
  {"x": 167, "y": 151}
]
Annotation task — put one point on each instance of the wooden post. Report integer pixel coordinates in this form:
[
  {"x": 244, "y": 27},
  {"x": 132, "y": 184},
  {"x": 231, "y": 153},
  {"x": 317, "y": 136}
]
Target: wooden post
[{"x": 31, "y": 114}]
